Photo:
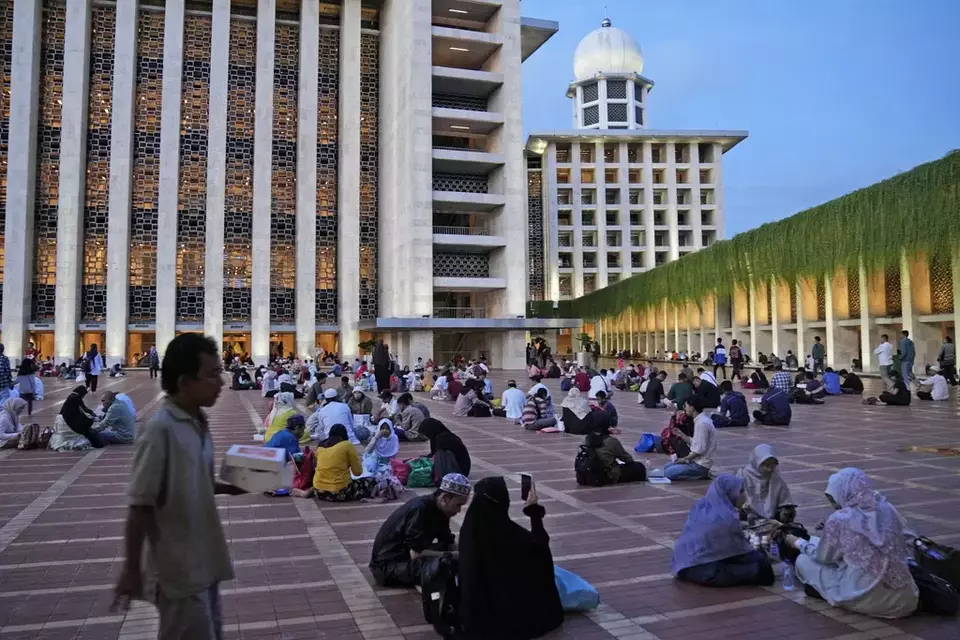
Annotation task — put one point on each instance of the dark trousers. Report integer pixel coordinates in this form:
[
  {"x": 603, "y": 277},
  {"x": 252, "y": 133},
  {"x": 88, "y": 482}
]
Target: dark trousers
[
  {"x": 924, "y": 395},
  {"x": 632, "y": 472},
  {"x": 91, "y": 383},
  {"x": 720, "y": 421},
  {"x": 722, "y": 368},
  {"x": 398, "y": 574},
  {"x": 892, "y": 398},
  {"x": 29, "y": 398},
  {"x": 154, "y": 371},
  {"x": 949, "y": 371},
  {"x": 737, "y": 366},
  {"x": 848, "y": 390},
  {"x": 382, "y": 378},
  {"x": 89, "y": 434},
  {"x": 766, "y": 418},
  {"x": 747, "y": 569}
]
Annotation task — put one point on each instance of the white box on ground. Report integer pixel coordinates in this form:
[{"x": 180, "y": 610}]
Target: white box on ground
[{"x": 256, "y": 469}]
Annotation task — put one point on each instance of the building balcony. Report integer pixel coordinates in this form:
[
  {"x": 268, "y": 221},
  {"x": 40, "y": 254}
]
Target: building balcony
[
  {"x": 466, "y": 238},
  {"x": 448, "y": 200},
  {"x": 465, "y": 161},
  {"x": 465, "y": 82},
  {"x": 462, "y": 48},
  {"x": 467, "y": 284},
  {"x": 452, "y": 121}
]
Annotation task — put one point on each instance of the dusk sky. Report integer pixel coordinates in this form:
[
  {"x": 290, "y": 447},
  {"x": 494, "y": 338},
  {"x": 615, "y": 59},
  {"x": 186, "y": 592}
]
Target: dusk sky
[{"x": 836, "y": 94}]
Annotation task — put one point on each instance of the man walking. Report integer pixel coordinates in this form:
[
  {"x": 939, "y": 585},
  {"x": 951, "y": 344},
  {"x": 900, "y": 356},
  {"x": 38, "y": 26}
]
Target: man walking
[
  {"x": 172, "y": 505},
  {"x": 884, "y": 353},
  {"x": 819, "y": 354},
  {"x": 947, "y": 357},
  {"x": 720, "y": 359},
  {"x": 907, "y": 354},
  {"x": 736, "y": 360}
]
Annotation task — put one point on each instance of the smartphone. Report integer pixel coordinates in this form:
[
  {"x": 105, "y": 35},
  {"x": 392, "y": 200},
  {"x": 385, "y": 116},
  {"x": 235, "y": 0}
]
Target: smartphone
[{"x": 526, "y": 482}]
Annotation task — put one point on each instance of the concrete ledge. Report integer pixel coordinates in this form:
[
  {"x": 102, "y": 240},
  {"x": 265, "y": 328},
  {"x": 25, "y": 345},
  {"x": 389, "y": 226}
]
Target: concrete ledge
[
  {"x": 512, "y": 324},
  {"x": 460, "y": 201}
]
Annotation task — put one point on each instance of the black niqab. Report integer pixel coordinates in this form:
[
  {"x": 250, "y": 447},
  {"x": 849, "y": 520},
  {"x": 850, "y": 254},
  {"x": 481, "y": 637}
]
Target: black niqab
[
  {"x": 442, "y": 439},
  {"x": 507, "y": 586}
]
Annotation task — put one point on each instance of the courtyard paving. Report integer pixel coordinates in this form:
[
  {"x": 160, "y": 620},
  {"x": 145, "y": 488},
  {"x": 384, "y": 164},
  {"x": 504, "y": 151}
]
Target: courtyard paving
[{"x": 301, "y": 567}]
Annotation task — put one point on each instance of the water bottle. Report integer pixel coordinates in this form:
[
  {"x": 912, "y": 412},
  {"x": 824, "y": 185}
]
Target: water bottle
[
  {"x": 774, "y": 552},
  {"x": 788, "y": 584}
]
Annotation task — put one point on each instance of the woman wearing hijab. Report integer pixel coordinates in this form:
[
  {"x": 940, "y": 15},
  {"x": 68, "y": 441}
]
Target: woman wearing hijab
[
  {"x": 92, "y": 367},
  {"x": 10, "y": 426},
  {"x": 707, "y": 388},
  {"x": 764, "y": 486},
  {"x": 153, "y": 362},
  {"x": 73, "y": 427},
  {"x": 337, "y": 459},
  {"x": 283, "y": 408},
  {"x": 574, "y": 411},
  {"x": 508, "y": 591},
  {"x": 712, "y": 549},
  {"x": 385, "y": 444},
  {"x": 859, "y": 562},
  {"x": 446, "y": 448},
  {"x": 620, "y": 465}
]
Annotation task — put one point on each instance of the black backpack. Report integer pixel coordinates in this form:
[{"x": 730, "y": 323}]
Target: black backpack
[
  {"x": 589, "y": 468},
  {"x": 86, "y": 366},
  {"x": 440, "y": 594}
]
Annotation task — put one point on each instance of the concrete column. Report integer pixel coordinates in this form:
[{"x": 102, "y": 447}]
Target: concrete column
[
  {"x": 955, "y": 268},
  {"x": 915, "y": 294},
  {"x": 216, "y": 171},
  {"x": 649, "y": 251},
  {"x": 73, "y": 171},
  {"x": 631, "y": 343},
  {"x": 169, "y": 174},
  {"x": 753, "y": 347},
  {"x": 348, "y": 196},
  {"x": 21, "y": 176},
  {"x": 577, "y": 213},
  {"x": 666, "y": 327},
  {"x": 600, "y": 182},
  {"x": 801, "y": 352},
  {"x": 829, "y": 317},
  {"x": 306, "y": 323},
  {"x": 671, "y": 176},
  {"x": 780, "y": 341},
  {"x": 121, "y": 179},
  {"x": 695, "y": 214},
  {"x": 866, "y": 319},
  {"x": 676, "y": 329},
  {"x": 551, "y": 221},
  {"x": 262, "y": 180},
  {"x": 718, "y": 188}
]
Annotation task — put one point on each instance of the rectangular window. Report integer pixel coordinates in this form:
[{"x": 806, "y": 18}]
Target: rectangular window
[
  {"x": 706, "y": 176},
  {"x": 590, "y": 260},
  {"x": 563, "y": 176},
  {"x": 563, "y": 153},
  {"x": 636, "y": 218},
  {"x": 706, "y": 196},
  {"x": 636, "y": 196},
  {"x": 586, "y": 153},
  {"x": 613, "y": 196},
  {"x": 613, "y": 238},
  {"x": 636, "y": 259},
  {"x": 681, "y": 153},
  {"x": 611, "y": 152},
  {"x": 637, "y": 239},
  {"x": 564, "y": 197},
  {"x": 638, "y": 115},
  {"x": 589, "y": 283},
  {"x": 611, "y": 176},
  {"x": 634, "y": 153},
  {"x": 616, "y": 89},
  {"x": 613, "y": 218},
  {"x": 658, "y": 153},
  {"x": 588, "y": 218},
  {"x": 706, "y": 153},
  {"x": 591, "y": 115},
  {"x": 587, "y": 176},
  {"x": 658, "y": 176},
  {"x": 588, "y": 196},
  {"x": 564, "y": 218},
  {"x": 616, "y": 112},
  {"x": 590, "y": 93},
  {"x": 613, "y": 278},
  {"x": 613, "y": 260}
]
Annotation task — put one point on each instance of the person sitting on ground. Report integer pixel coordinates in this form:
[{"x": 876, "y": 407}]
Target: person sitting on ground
[
  {"x": 384, "y": 443},
  {"x": 553, "y": 371},
  {"x": 315, "y": 391},
  {"x": 653, "y": 395},
  {"x": 446, "y": 448},
  {"x": 669, "y": 442},
  {"x": 581, "y": 380},
  {"x": 831, "y": 382},
  {"x": 119, "y": 423},
  {"x": 469, "y": 403},
  {"x": 440, "y": 385},
  {"x": 761, "y": 358},
  {"x": 707, "y": 389},
  {"x": 757, "y": 380},
  {"x": 487, "y": 387},
  {"x": 73, "y": 427},
  {"x": 359, "y": 403},
  {"x": 408, "y": 422},
  {"x": 289, "y": 438},
  {"x": 934, "y": 387},
  {"x": 418, "y": 367},
  {"x": 335, "y": 412},
  {"x": 781, "y": 380},
  {"x": 506, "y": 577},
  {"x": 345, "y": 390},
  {"x": 388, "y": 407},
  {"x": 712, "y": 550},
  {"x": 535, "y": 413},
  {"x": 454, "y": 386},
  {"x": 533, "y": 391},
  {"x": 116, "y": 371},
  {"x": 764, "y": 486},
  {"x": 790, "y": 361},
  {"x": 242, "y": 380},
  {"x": 733, "y": 408},
  {"x": 619, "y": 465},
  {"x": 534, "y": 373},
  {"x": 810, "y": 391},
  {"x": 899, "y": 397},
  {"x": 703, "y": 446},
  {"x": 336, "y": 464},
  {"x": 774, "y": 408},
  {"x": 283, "y": 408},
  {"x": 416, "y": 531},
  {"x": 512, "y": 401},
  {"x": 852, "y": 383},
  {"x": 680, "y": 392},
  {"x": 859, "y": 561},
  {"x": 607, "y": 408},
  {"x": 599, "y": 383},
  {"x": 575, "y": 412},
  {"x": 10, "y": 427}
]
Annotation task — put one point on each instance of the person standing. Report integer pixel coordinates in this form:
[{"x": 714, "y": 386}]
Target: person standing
[
  {"x": 153, "y": 362},
  {"x": 381, "y": 365},
  {"x": 172, "y": 504},
  {"x": 907, "y": 355},
  {"x": 819, "y": 354},
  {"x": 736, "y": 361},
  {"x": 6, "y": 377},
  {"x": 27, "y": 382},
  {"x": 884, "y": 353},
  {"x": 720, "y": 358},
  {"x": 92, "y": 367},
  {"x": 947, "y": 359}
]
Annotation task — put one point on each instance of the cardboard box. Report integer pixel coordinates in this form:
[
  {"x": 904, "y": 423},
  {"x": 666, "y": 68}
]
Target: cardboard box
[{"x": 257, "y": 469}]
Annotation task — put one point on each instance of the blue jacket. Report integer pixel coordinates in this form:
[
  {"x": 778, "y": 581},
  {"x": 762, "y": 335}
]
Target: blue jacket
[
  {"x": 734, "y": 403},
  {"x": 719, "y": 355},
  {"x": 777, "y": 403},
  {"x": 285, "y": 439},
  {"x": 907, "y": 351},
  {"x": 831, "y": 382}
]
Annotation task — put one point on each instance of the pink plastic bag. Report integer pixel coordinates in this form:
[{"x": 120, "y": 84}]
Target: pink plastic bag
[{"x": 400, "y": 469}]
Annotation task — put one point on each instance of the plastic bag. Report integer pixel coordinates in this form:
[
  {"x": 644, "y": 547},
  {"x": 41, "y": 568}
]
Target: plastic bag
[
  {"x": 400, "y": 469},
  {"x": 646, "y": 444},
  {"x": 576, "y": 594},
  {"x": 421, "y": 473}
]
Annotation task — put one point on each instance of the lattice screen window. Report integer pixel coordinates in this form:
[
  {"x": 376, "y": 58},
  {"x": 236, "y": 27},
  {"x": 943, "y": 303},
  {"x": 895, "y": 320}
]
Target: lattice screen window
[
  {"x": 616, "y": 89},
  {"x": 283, "y": 218},
  {"x": 821, "y": 299},
  {"x": 590, "y": 93},
  {"x": 591, "y": 115},
  {"x": 369, "y": 153},
  {"x": 891, "y": 290},
  {"x": 535, "y": 234},
  {"x": 853, "y": 291},
  {"x": 617, "y": 112},
  {"x": 793, "y": 303},
  {"x": 455, "y": 101},
  {"x": 941, "y": 284},
  {"x": 460, "y": 182},
  {"x": 461, "y": 265},
  {"x": 142, "y": 296},
  {"x": 6, "y": 60},
  {"x": 638, "y": 115},
  {"x": 93, "y": 290},
  {"x": 327, "y": 150},
  {"x": 238, "y": 218},
  {"x": 769, "y": 302},
  {"x": 47, "y": 197},
  {"x": 194, "y": 138}
]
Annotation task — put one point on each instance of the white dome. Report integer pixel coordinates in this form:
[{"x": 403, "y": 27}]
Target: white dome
[{"x": 607, "y": 50}]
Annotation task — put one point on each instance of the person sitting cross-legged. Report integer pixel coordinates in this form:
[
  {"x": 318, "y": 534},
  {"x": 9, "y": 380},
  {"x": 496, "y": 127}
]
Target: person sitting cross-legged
[
  {"x": 619, "y": 464},
  {"x": 733, "y": 408},
  {"x": 119, "y": 424},
  {"x": 536, "y": 416},
  {"x": 774, "y": 408},
  {"x": 289, "y": 438},
  {"x": 703, "y": 446},
  {"x": 933, "y": 388},
  {"x": 852, "y": 384},
  {"x": 810, "y": 391},
  {"x": 900, "y": 397},
  {"x": 680, "y": 392}
]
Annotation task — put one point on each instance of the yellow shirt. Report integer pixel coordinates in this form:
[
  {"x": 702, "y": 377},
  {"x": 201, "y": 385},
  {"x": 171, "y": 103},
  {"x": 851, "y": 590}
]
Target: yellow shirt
[
  {"x": 334, "y": 465},
  {"x": 279, "y": 423}
]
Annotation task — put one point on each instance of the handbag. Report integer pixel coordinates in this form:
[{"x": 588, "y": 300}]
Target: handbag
[
  {"x": 303, "y": 472},
  {"x": 576, "y": 594},
  {"x": 937, "y": 596},
  {"x": 940, "y": 560},
  {"x": 646, "y": 444}
]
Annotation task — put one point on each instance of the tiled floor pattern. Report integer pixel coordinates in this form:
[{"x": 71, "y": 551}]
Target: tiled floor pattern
[{"x": 301, "y": 568}]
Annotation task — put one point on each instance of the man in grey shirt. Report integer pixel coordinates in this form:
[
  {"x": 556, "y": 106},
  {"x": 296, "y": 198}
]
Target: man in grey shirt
[
  {"x": 172, "y": 505},
  {"x": 907, "y": 355}
]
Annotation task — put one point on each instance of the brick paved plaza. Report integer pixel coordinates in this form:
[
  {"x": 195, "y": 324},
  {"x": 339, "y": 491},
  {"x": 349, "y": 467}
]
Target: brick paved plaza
[{"x": 301, "y": 568}]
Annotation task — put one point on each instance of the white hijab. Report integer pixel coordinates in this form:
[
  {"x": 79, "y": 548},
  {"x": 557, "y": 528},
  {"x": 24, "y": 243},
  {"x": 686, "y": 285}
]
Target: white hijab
[
  {"x": 706, "y": 375},
  {"x": 764, "y": 493}
]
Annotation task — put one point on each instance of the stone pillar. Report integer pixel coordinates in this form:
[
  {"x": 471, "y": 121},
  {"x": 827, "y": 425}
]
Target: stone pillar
[
  {"x": 262, "y": 180},
  {"x": 915, "y": 295},
  {"x": 801, "y": 326},
  {"x": 780, "y": 339},
  {"x": 866, "y": 321},
  {"x": 348, "y": 196},
  {"x": 216, "y": 171},
  {"x": 829, "y": 316},
  {"x": 955, "y": 269},
  {"x": 121, "y": 180},
  {"x": 21, "y": 176},
  {"x": 169, "y": 174},
  {"x": 753, "y": 347},
  {"x": 630, "y": 343},
  {"x": 671, "y": 175},
  {"x": 73, "y": 171},
  {"x": 676, "y": 329}
]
